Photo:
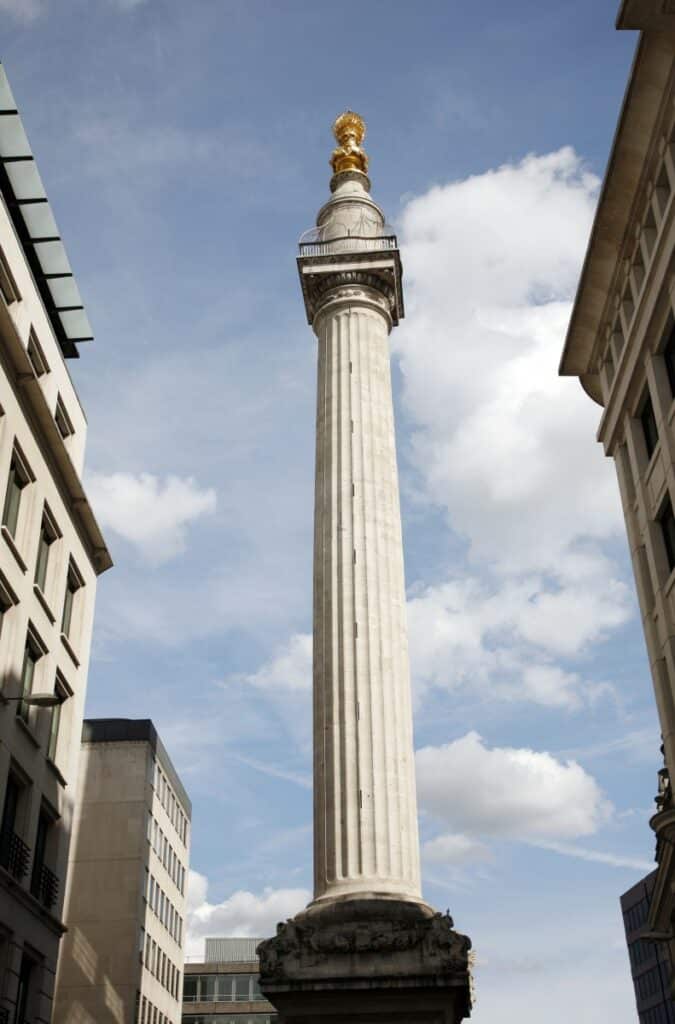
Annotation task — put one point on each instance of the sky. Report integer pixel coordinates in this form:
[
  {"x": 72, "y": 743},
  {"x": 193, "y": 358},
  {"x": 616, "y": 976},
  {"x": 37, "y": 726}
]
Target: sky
[{"x": 184, "y": 148}]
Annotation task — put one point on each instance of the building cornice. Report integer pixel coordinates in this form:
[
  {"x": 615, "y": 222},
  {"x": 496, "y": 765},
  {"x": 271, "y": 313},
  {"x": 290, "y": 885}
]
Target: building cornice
[
  {"x": 32, "y": 400},
  {"x": 621, "y": 193},
  {"x": 646, "y": 14}
]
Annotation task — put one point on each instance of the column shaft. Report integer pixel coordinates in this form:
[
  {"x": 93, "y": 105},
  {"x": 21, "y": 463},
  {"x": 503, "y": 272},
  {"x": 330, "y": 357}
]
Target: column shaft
[{"x": 365, "y": 815}]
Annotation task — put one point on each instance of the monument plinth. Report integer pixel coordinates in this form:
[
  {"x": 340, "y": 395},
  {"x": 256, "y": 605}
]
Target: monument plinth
[{"x": 368, "y": 946}]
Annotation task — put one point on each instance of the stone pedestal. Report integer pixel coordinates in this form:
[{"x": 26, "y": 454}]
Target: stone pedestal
[{"x": 367, "y": 961}]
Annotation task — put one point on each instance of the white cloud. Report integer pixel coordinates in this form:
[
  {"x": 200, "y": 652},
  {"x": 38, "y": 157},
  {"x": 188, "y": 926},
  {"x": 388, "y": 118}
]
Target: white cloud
[
  {"x": 23, "y": 10},
  {"x": 503, "y": 442},
  {"x": 476, "y": 631},
  {"x": 147, "y": 512},
  {"x": 290, "y": 668},
  {"x": 455, "y": 848},
  {"x": 508, "y": 792},
  {"x": 243, "y": 913}
]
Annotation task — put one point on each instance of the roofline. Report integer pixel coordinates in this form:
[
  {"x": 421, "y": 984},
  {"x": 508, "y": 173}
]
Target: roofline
[
  {"x": 616, "y": 201},
  {"x": 136, "y": 730},
  {"x": 68, "y": 344}
]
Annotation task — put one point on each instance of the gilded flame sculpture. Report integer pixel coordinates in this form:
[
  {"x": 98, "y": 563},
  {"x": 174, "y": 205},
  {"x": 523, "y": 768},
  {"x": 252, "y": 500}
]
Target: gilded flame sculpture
[{"x": 350, "y": 130}]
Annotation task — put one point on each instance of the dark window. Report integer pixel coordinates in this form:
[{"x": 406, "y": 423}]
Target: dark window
[
  {"x": 667, "y": 522},
  {"x": 9, "y": 811},
  {"x": 73, "y": 584},
  {"x": 15, "y": 484},
  {"x": 657, "y": 1015},
  {"x": 54, "y": 732},
  {"x": 8, "y": 286},
  {"x": 31, "y": 656},
  {"x": 641, "y": 951},
  {"x": 190, "y": 988},
  {"x": 37, "y": 878},
  {"x": 648, "y": 420},
  {"x": 63, "y": 421},
  {"x": 669, "y": 359},
  {"x": 649, "y": 983},
  {"x": 636, "y": 915},
  {"x": 23, "y": 991},
  {"x": 37, "y": 356},
  {"x": 47, "y": 538}
]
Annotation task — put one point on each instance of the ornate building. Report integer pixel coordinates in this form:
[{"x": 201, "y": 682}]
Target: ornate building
[
  {"x": 621, "y": 345},
  {"x": 368, "y": 944},
  {"x": 51, "y": 553}
]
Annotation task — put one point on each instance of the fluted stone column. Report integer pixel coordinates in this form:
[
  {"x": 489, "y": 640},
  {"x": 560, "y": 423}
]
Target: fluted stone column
[
  {"x": 368, "y": 946},
  {"x": 365, "y": 813}
]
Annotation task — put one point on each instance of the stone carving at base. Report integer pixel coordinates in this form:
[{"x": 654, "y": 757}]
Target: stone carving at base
[{"x": 413, "y": 940}]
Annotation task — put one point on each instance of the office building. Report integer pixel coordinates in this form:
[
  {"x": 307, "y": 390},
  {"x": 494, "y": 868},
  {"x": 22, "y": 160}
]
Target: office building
[
  {"x": 649, "y": 961},
  {"x": 122, "y": 957},
  {"x": 51, "y": 552},
  {"x": 621, "y": 345},
  {"x": 223, "y": 989}
]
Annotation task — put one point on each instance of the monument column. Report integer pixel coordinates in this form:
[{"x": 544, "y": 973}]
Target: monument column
[{"x": 367, "y": 942}]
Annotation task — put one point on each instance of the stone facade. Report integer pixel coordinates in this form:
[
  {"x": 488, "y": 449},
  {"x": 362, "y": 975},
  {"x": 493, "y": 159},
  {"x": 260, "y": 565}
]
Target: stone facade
[
  {"x": 621, "y": 345},
  {"x": 51, "y": 553},
  {"x": 122, "y": 957}
]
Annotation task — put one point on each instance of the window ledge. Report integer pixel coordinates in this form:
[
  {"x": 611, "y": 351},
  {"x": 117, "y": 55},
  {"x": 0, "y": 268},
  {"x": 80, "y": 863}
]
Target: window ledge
[
  {"x": 28, "y": 731},
  {"x": 54, "y": 768},
  {"x": 11, "y": 544},
  {"x": 43, "y": 601},
  {"x": 69, "y": 647}
]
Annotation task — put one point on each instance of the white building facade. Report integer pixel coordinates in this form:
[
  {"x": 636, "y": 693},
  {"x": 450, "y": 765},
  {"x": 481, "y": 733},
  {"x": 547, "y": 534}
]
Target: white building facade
[
  {"x": 51, "y": 552},
  {"x": 621, "y": 345}
]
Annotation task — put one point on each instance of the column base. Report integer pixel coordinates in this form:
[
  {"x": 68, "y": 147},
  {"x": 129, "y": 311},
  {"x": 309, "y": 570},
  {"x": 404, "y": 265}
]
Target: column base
[{"x": 371, "y": 961}]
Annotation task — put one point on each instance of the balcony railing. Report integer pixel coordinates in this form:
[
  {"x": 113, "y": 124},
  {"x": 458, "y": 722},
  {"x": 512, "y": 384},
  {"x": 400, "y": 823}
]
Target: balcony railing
[
  {"x": 45, "y": 886},
  {"x": 348, "y": 243},
  {"x": 14, "y": 854}
]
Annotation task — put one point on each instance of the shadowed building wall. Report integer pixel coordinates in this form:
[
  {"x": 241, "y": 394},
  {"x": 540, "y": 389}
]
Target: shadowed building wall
[{"x": 122, "y": 957}]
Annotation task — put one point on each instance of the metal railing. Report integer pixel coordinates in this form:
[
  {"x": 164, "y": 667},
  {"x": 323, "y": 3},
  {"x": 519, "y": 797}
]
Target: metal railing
[
  {"x": 348, "y": 243},
  {"x": 14, "y": 854},
  {"x": 45, "y": 886}
]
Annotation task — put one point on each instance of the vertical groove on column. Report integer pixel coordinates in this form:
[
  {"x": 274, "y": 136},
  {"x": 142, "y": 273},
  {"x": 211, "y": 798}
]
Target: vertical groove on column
[{"x": 388, "y": 639}]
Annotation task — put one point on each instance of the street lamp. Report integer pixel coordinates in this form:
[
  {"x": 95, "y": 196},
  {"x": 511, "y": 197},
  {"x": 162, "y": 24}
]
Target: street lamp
[{"x": 36, "y": 700}]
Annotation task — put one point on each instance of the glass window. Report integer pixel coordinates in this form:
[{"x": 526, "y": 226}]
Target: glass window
[
  {"x": 63, "y": 420},
  {"x": 667, "y": 522},
  {"x": 37, "y": 356},
  {"x": 31, "y": 656},
  {"x": 16, "y": 482},
  {"x": 72, "y": 586},
  {"x": 190, "y": 987},
  {"x": 255, "y": 988},
  {"x": 47, "y": 538},
  {"x": 208, "y": 983},
  {"x": 55, "y": 723},
  {"x": 242, "y": 986},
  {"x": 649, "y": 429},
  {"x": 669, "y": 358}
]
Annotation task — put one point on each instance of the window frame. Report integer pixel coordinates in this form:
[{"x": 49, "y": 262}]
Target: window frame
[{"x": 19, "y": 470}]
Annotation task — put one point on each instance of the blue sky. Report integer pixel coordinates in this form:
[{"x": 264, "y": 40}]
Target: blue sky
[{"x": 184, "y": 148}]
